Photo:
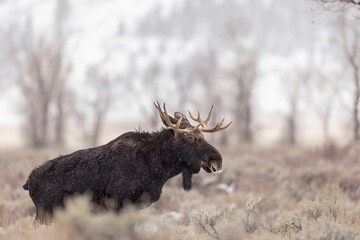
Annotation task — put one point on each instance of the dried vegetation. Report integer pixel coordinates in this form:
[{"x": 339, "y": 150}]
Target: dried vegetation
[{"x": 261, "y": 194}]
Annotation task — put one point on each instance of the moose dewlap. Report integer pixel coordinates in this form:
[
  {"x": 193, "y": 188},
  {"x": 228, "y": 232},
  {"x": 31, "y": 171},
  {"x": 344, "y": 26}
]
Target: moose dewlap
[{"x": 131, "y": 168}]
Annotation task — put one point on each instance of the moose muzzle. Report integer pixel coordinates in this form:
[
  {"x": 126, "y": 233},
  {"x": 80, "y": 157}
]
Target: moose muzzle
[{"x": 212, "y": 163}]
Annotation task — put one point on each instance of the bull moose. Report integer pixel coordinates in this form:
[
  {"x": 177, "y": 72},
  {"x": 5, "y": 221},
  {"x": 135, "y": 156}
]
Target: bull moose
[{"x": 133, "y": 167}]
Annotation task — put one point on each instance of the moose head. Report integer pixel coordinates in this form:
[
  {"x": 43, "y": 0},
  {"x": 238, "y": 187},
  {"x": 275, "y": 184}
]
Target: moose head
[{"x": 192, "y": 149}]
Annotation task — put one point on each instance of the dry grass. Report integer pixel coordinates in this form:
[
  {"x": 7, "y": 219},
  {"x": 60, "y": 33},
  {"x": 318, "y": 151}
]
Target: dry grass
[{"x": 261, "y": 194}]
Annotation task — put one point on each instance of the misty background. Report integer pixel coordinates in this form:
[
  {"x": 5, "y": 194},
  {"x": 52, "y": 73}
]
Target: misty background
[{"x": 79, "y": 73}]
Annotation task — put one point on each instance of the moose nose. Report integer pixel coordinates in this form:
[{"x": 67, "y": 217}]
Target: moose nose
[
  {"x": 214, "y": 163},
  {"x": 215, "y": 168}
]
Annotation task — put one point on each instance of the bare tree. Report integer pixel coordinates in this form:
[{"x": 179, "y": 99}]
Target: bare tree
[
  {"x": 350, "y": 46},
  {"x": 60, "y": 113},
  {"x": 245, "y": 80},
  {"x": 201, "y": 72},
  {"x": 244, "y": 73},
  {"x": 61, "y": 97},
  {"x": 208, "y": 71},
  {"x": 40, "y": 72},
  {"x": 91, "y": 115},
  {"x": 293, "y": 87},
  {"x": 339, "y": 2},
  {"x": 63, "y": 94},
  {"x": 149, "y": 83},
  {"x": 321, "y": 91},
  {"x": 336, "y": 6},
  {"x": 183, "y": 77}
]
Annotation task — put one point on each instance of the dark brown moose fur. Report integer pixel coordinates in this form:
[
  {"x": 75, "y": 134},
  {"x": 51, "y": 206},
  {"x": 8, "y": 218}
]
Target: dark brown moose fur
[{"x": 133, "y": 167}]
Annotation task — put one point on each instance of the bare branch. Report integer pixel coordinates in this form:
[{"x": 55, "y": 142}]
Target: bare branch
[
  {"x": 353, "y": 2},
  {"x": 91, "y": 117},
  {"x": 40, "y": 73}
]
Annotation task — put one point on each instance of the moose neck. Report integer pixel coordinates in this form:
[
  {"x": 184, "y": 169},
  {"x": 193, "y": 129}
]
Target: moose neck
[{"x": 163, "y": 154}]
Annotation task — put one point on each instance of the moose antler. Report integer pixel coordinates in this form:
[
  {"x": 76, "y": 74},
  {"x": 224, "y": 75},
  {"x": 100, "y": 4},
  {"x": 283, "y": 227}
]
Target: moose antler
[
  {"x": 176, "y": 127},
  {"x": 203, "y": 123},
  {"x": 169, "y": 121}
]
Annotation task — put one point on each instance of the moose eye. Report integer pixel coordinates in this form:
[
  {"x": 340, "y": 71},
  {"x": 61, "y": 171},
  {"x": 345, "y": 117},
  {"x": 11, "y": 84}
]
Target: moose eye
[{"x": 191, "y": 138}]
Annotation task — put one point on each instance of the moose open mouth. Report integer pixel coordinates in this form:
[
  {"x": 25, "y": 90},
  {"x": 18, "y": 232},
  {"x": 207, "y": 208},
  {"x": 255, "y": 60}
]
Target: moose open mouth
[{"x": 211, "y": 167}]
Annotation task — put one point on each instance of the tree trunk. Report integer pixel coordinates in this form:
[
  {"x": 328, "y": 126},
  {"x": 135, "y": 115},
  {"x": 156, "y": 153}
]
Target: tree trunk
[
  {"x": 356, "y": 136},
  {"x": 291, "y": 130},
  {"x": 60, "y": 122},
  {"x": 44, "y": 122},
  {"x": 96, "y": 129},
  {"x": 247, "y": 131},
  {"x": 244, "y": 113},
  {"x": 291, "y": 122},
  {"x": 32, "y": 128},
  {"x": 325, "y": 127}
]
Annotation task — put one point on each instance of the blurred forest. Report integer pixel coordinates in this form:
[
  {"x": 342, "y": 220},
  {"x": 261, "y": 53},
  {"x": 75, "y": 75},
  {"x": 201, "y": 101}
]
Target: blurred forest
[{"x": 80, "y": 73}]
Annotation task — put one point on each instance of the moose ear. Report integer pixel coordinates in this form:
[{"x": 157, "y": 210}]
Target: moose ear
[
  {"x": 185, "y": 122},
  {"x": 173, "y": 121},
  {"x": 187, "y": 179}
]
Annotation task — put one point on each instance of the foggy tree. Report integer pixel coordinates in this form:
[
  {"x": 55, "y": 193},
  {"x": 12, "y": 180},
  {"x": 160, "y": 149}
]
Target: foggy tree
[
  {"x": 208, "y": 71},
  {"x": 339, "y": 2},
  {"x": 293, "y": 87},
  {"x": 321, "y": 91},
  {"x": 351, "y": 48},
  {"x": 61, "y": 104},
  {"x": 336, "y": 6},
  {"x": 149, "y": 83},
  {"x": 245, "y": 80},
  {"x": 62, "y": 96},
  {"x": 91, "y": 115},
  {"x": 202, "y": 72},
  {"x": 244, "y": 74},
  {"x": 40, "y": 72},
  {"x": 145, "y": 87},
  {"x": 183, "y": 77}
]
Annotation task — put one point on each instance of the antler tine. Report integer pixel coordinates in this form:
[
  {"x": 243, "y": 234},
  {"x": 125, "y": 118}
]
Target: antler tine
[
  {"x": 204, "y": 123},
  {"x": 178, "y": 123},
  {"x": 201, "y": 121},
  {"x": 197, "y": 119},
  {"x": 218, "y": 127},
  {"x": 164, "y": 112},
  {"x": 177, "y": 126},
  {"x": 161, "y": 113},
  {"x": 209, "y": 115},
  {"x": 166, "y": 115},
  {"x": 192, "y": 116},
  {"x": 226, "y": 126}
]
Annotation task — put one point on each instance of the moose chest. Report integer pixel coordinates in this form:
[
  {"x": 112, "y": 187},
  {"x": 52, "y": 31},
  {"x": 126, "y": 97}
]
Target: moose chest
[{"x": 135, "y": 183}]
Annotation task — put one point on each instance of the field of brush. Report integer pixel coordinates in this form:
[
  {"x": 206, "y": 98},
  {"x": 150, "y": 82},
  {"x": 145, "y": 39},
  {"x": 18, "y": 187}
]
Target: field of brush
[{"x": 277, "y": 193}]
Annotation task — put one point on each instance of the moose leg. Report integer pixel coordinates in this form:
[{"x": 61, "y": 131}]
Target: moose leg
[
  {"x": 48, "y": 218},
  {"x": 108, "y": 203},
  {"x": 144, "y": 200},
  {"x": 42, "y": 216},
  {"x": 187, "y": 178}
]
